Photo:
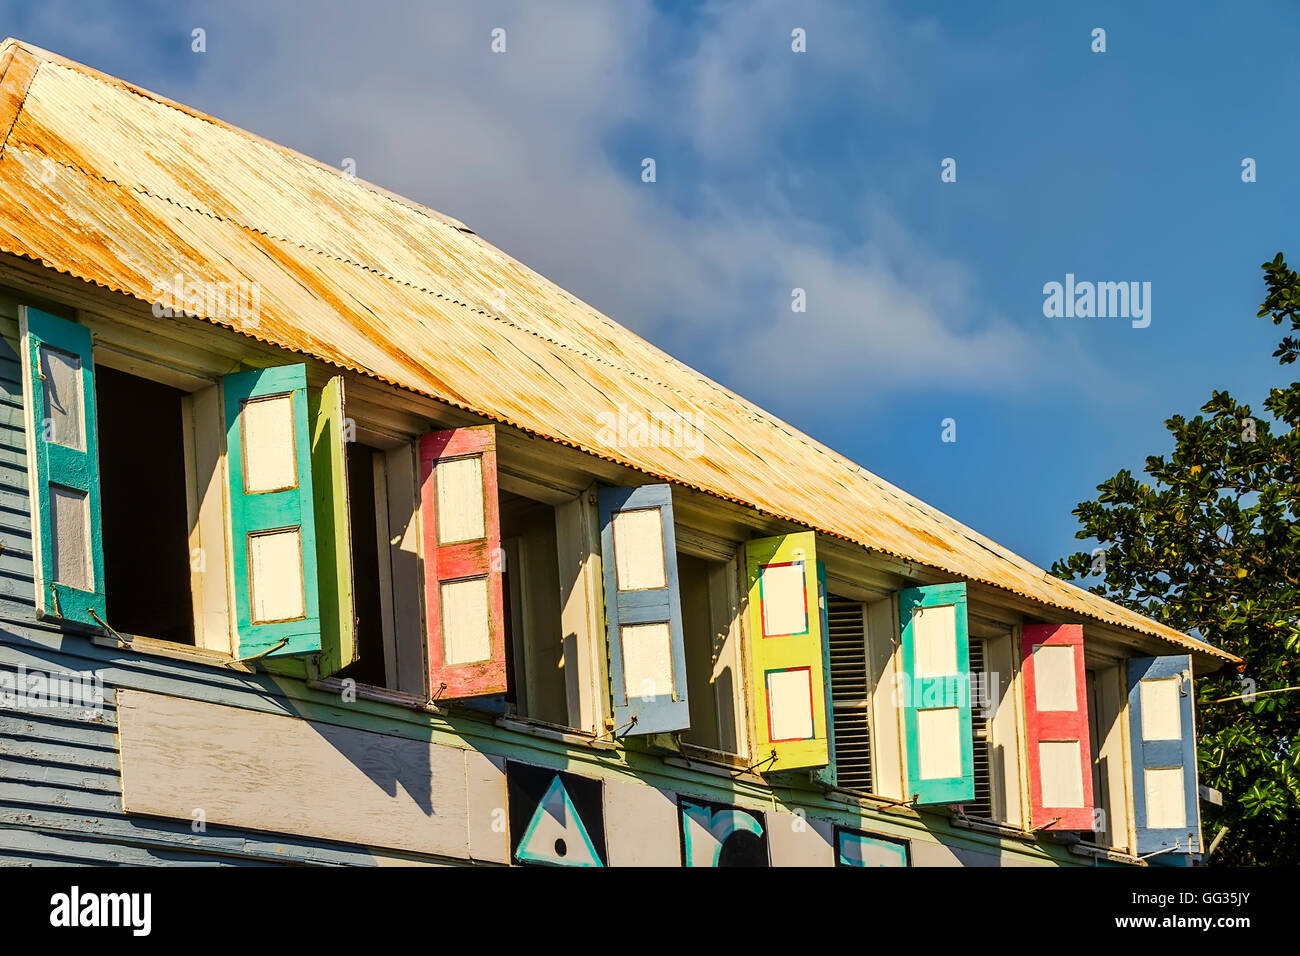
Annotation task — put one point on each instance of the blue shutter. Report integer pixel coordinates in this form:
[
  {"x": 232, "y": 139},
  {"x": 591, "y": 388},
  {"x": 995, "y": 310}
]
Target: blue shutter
[
  {"x": 60, "y": 380},
  {"x": 643, "y": 611},
  {"x": 936, "y": 667},
  {"x": 1163, "y": 744},
  {"x": 272, "y": 519}
]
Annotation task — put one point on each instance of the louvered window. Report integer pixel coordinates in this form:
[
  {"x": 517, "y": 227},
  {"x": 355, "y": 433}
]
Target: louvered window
[
  {"x": 850, "y": 698},
  {"x": 982, "y": 805}
]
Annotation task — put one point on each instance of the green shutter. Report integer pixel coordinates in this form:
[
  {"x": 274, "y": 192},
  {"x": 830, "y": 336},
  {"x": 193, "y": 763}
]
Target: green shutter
[
  {"x": 272, "y": 518},
  {"x": 64, "y": 467},
  {"x": 329, "y": 466},
  {"x": 936, "y": 668}
]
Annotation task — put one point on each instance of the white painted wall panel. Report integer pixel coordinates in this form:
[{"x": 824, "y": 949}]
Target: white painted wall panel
[
  {"x": 269, "y": 772},
  {"x": 485, "y": 786},
  {"x": 275, "y": 576},
  {"x": 647, "y": 660},
  {"x": 1054, "y": 684},
  {"x": 938, "y": 743},
  {"x": 793, "y": 840},
  {"x": 1060, "y": 764},
  {"x": 639, "y": 549},
  {"x": 640, "y": 825},
  {"x": 64, "y": 418},
  {"x": 785, "y": 598},
  {"x": 270, "y": 455},
  {"x": 461, "y": 513},
  {"x": 70, "y": 531},
  {"x": 934, "y": 636},
  {"x": 1161, "y": 710},
  {"x": 789, "y": 704},
  {"x": 1166, "y": 797},
  {"x": 465, "y": 633}
]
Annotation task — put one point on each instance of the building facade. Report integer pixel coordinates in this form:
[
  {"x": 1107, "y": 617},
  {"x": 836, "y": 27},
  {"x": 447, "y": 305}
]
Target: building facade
[{"x": 331, "y": 534}]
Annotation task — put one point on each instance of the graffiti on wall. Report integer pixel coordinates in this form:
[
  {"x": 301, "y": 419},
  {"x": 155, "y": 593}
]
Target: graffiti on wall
[
  {"x": 556, "y": 818},
  {"x": 856, "y": 848},
  {"x": 717, "y": 834}
]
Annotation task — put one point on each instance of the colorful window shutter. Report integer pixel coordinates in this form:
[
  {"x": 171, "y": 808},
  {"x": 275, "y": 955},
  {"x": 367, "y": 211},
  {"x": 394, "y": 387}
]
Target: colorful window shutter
[
  {"x": 462, "y": 562},
  {"x": 1163, "y": 740},
  {"x": 1056, "y": 724},
  {"x": 64, "y": 467},
  {"x": 329, "y": 467},
  {"x": 936, "y": 664},
  {"x": 272, "y": 518},
  {"x": 786, "y": 636},
  {"x": 643, "y": 611}
]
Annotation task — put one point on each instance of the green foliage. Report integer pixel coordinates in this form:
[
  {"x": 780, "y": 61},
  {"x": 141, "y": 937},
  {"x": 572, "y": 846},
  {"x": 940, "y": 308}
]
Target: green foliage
[{"x": 1208, "y": 543}]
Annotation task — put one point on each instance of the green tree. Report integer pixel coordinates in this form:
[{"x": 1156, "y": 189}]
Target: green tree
[{"x": 1208, "y": 543}]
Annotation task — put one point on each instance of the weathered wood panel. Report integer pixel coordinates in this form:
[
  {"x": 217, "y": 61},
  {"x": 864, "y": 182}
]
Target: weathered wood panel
[{"x": 279, "y": 774}]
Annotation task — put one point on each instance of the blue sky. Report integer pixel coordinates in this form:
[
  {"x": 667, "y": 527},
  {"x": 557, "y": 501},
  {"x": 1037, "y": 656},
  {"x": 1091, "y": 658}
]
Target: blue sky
[{"x": 820, "y": 170}]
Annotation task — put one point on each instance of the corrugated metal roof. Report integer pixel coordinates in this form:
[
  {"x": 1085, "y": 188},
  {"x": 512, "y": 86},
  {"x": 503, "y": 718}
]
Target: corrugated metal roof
[{"x": 126, "y": 189}]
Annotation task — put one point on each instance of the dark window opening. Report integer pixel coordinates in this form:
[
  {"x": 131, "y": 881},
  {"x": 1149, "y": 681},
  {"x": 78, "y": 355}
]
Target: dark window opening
[
  {"x": 535, "y": 682},
  {"x": 145, "y": 520},
  {"x": 699, "y": 648},
  {"x": 369, "y": 666}
]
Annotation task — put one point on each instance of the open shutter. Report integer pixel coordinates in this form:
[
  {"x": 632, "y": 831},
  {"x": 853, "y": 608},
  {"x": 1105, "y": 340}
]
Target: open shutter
[
  {"x": 64, "y": 468},
  {"x": 272, "y": 518},
  {"x": 936, "y": 665},
  {"x": 786, "y": 636},
  {"x": 461, "y": 516},
  {"x": 329, "y": 472},
  {"x": 643, "y": 610},
  {"x": 1056, "y": 724},
  {"x": 1164, "y": 754}
]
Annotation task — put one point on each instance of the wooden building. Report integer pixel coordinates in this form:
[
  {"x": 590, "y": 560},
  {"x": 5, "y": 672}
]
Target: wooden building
[{"x": 329, "y": 533}]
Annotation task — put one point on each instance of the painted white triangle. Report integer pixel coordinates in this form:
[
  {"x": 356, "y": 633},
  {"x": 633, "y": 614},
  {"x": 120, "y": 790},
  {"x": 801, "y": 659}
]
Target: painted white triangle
[{"x": 556, "y": 833}]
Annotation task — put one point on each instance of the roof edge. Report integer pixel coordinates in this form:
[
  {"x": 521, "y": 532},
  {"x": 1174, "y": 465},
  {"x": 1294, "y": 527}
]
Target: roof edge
[{"x": 41, "y": 55}]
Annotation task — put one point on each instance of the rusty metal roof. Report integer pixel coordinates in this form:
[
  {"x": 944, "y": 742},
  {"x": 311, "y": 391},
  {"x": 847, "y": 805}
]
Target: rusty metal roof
[{"x": 126, "y": 189}]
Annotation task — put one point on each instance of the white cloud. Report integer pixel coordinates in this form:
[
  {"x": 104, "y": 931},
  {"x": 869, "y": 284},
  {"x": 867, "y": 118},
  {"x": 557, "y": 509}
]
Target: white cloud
[{"x": 518, "y": 145}]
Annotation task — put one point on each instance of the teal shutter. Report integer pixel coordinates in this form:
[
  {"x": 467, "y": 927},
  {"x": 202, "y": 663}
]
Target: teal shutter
[
  {"x": 1163, "y": 745},
  {"x": 936, "y": 667},
  {"x": 69, "y": 555},
  {"x": 272, "y": 521}
]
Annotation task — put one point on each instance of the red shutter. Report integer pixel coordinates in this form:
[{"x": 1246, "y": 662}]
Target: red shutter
[
  {"x": 462, "y": 562},
  {"x": 1056, "y": 723}
]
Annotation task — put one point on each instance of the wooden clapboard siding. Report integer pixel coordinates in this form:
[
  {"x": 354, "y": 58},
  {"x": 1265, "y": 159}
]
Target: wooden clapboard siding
[{"x": 60, "y": 791}]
